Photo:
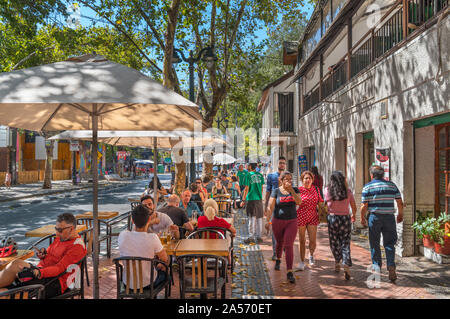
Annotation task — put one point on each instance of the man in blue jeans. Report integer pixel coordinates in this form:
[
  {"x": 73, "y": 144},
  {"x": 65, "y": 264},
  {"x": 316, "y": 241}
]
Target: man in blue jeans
[
  {"x": 378, "y": 198},
  {"x": 272, "y": 183}
]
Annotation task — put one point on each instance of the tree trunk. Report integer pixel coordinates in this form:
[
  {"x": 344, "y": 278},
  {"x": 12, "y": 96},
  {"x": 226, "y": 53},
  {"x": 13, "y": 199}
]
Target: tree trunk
[
  {"x": 208, "y": 164},
  {"x": 170, "y": 79},
  {"x": 180, "y": 172},
  {"x": 48, "y": 166}
]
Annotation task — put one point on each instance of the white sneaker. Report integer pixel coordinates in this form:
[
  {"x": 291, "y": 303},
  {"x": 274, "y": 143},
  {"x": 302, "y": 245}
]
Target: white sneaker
[
  {"x": 311, "y": 260},
  {"x": 301, "y": 266}
]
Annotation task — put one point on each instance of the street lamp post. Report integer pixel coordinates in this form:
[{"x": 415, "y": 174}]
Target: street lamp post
[{"x": 206, "y": 55}]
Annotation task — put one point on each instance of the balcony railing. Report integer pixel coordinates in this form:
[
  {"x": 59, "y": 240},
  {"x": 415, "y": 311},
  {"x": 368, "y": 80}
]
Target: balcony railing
[{"x": 373, "y": 45}]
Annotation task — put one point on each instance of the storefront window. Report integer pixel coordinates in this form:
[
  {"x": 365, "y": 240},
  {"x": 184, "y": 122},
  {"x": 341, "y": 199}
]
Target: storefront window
[
  {"x": 326, "y": 14},
  {"x": 312, "y": 40},
  {"x": 337, "y": 6}
]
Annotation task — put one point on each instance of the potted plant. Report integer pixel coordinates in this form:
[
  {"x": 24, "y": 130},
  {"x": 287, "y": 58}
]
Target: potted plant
[
  {"x": 426, "y": 228},
  {"x": 444, "y": 220},
  {"x": 441, "y": 235}
]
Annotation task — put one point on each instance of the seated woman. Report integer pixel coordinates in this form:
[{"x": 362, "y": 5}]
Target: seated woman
[
  {"x": 161, "y": 190},
  {"x": 210, "y": 218},
  {"x": 196, "y": 196},
  {"x": 219, "y": 191},
  {"x": 235, "y": 192}
]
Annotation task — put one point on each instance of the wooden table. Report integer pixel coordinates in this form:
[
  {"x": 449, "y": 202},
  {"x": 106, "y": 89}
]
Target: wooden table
[
  {"x": 218, "y": 247},
  {"x": 20, "y": 254},
  {"x": 48, "y": 230},
  {"x": 101, "y": 215},
  {"x": 170, "y": 247}
]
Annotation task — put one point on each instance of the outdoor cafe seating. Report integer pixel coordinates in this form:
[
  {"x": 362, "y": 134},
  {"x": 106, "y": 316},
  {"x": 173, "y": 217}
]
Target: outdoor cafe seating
[
  {"x": 195, "y": 277},
  {"x": 134, "y": 272},
  {"x": 25, "y": 292}
]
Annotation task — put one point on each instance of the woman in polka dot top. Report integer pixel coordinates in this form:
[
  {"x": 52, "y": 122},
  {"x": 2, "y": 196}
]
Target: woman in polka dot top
[{"x": 307, "y": 217}]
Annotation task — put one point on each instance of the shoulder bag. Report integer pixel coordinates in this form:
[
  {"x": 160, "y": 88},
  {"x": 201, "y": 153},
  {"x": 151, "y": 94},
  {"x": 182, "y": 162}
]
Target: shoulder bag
[{"x": 322, "y": 210}]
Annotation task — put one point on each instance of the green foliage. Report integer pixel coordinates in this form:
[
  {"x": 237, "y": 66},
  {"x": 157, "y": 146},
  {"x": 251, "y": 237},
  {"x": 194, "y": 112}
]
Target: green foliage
[{"x": 434, "y": 227}]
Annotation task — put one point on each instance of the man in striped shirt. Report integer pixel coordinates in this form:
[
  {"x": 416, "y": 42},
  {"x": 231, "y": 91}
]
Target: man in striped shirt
[{"x": 378, "y": 198}]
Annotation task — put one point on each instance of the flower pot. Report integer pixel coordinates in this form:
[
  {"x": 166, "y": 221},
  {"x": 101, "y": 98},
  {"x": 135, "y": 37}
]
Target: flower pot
[
  {"x": 442, "y": 250},
  {"x": 427, "y": 241}
]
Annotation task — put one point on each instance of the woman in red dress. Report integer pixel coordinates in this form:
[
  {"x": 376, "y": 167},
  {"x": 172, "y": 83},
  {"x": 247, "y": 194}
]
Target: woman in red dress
[{"x": 307, "y": 216}]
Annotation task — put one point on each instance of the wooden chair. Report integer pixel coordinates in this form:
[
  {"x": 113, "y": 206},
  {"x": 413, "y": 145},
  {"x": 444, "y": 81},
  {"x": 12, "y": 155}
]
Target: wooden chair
[
  {"x": 205, "y": 232},
  {"x": 88, "y": 238},
  {"x": 224, "y": 207},
  {"x": 134, "y": 272},
  {"x": 196, "y": 278},
  {"x": 50, "y": 239},
  {"x": 76, "y": 291},
  {"x": 25, "y": 292},
  {"x": 89, "y": 223}
]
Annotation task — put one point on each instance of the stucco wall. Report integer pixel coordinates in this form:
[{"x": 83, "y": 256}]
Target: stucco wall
[{"x": 406, "y": 81}]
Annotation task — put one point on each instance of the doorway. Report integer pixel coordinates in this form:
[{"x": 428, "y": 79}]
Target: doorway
[
  {"x": 442, "y": 167},
  {"x": 368, "y": 154}
]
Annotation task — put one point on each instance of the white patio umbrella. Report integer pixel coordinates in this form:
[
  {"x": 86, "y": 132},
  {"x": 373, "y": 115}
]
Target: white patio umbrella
[
  {"x": 221, "y": 159},
  {"x": 91, "y": 93}
]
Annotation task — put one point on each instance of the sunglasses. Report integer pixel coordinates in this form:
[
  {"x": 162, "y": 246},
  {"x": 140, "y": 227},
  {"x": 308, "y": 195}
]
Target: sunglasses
[
  {"x": 60, "y": 230},
  {"x": 198, "y": 182}
]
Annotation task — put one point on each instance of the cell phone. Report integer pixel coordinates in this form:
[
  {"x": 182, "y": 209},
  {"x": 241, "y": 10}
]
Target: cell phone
[{"x": 38, "y": 250}]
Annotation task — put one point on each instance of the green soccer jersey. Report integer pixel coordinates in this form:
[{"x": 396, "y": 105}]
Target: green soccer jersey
[
  {"x": 241, "y": 176},
  {"x": 254, "y": 181}
]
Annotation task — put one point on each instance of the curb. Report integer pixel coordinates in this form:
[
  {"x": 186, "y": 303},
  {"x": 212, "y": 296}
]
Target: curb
[{"x": 60, "y": 191}]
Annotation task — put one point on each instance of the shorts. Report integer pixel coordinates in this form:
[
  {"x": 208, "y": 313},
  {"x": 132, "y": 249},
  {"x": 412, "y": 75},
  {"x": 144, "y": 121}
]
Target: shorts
[
  {"x": 255, "y": 208},
  {"x": 310, "y": 218},
  {"x": 52, "y": 286}
]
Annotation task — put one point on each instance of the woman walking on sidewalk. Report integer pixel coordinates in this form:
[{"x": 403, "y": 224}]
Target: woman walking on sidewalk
[
  {"x": 339, "y": 197},
  {"x": 307, "y": 217},
  {"x": 284, "y": 222}
]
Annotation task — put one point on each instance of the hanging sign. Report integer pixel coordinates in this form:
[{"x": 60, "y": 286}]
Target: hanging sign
[
  {"x": 383, "y": 156},
  {"x": 74, "y": 146},
  {"x": 302, "y": 164},
  {"x": 121, "y": 155}
]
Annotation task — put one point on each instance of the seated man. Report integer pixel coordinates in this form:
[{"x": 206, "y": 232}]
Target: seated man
[
  {"x": 139, "y": 243},
  {"x": 178, "y": 215},
  {"x": 187, "y": 205},
  {"x": 67, "y": 249},
  {"x": 158, "y": 222}
]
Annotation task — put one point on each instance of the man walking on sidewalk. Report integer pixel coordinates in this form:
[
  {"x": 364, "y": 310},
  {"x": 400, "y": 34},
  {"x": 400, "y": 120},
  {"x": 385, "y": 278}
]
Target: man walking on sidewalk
[
  {"x": 272, "y": 183},
  {"x": 378, "y": 199},
  {"x": 254, "y": 182}
]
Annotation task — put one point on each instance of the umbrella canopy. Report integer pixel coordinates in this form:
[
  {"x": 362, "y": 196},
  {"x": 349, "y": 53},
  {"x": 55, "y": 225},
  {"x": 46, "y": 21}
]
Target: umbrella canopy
[
  {"x": 143, "y": 162},
  {"x": 164, "y": 139},
  {"x": 91, "y": 93},
  {"x": 221, "y": 159},
  {"x": 62, "y": 96}
]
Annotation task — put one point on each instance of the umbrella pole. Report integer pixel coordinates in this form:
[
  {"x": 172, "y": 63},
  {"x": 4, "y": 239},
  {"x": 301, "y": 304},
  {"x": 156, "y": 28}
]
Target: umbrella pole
[
  {"x": 94, "y": 168},
  {"x": 155, "y": 173}
]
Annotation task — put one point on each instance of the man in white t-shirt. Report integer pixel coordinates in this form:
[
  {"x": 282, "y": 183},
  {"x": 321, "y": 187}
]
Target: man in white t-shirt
[
  {"x": 140, "y": 243},
  {"x": 159, "y": 222}
]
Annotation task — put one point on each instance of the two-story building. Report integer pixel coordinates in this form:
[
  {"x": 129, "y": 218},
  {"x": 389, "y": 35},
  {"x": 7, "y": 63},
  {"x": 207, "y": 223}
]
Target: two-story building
[
  {"x": 370, "y": 84},
  {"x": 279, "y": 105}
]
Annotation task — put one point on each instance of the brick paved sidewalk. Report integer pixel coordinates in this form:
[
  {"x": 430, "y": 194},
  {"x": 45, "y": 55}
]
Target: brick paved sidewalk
[
  {"x": 255, "y": 277},
  {"x": 320, "y": 280}
]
